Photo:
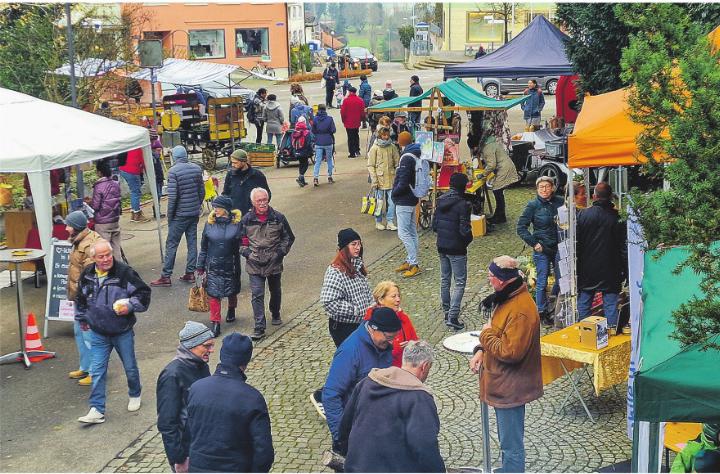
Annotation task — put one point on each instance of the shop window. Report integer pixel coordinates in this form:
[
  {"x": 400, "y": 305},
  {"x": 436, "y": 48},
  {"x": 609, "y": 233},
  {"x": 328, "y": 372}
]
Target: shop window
[
  {"x": 484, "y": 27},
  {"x": 207, "y": 44},
  {"x": 252, "y": 42}
]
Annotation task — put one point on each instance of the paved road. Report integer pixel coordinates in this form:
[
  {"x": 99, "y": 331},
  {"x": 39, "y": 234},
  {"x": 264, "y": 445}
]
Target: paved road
[{"x": 39, "y": 431}]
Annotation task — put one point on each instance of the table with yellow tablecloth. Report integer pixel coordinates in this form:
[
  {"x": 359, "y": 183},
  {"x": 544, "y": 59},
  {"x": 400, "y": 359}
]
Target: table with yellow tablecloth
[{"x": 610, "y": 364}]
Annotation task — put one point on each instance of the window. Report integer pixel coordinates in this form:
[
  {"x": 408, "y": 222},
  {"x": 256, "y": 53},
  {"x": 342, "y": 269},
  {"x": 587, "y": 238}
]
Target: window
[
  {"x": 207, "y": 44},
  {"x": 483, "y": 27},
  {"x": 252, "y": 42}
]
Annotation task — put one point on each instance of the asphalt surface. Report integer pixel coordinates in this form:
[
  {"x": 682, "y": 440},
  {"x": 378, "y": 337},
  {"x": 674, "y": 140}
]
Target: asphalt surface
[{"x": 38, "y": 427}]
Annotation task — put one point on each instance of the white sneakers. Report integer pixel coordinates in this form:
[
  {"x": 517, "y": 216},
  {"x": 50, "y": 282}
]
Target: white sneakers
[
  {"x": 391, "y": 226},
  {"x": 93, "y": 416},
  {"x": 379, "y": 226},
  {"x": 134, "y": 404}
]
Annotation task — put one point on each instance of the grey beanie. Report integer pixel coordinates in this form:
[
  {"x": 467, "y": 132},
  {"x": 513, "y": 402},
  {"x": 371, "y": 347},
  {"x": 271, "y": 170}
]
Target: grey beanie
[
  {"x": 179, "y": 152},
  {"x": 194, "y": 334},
  {"x": 76, "y": 220}
]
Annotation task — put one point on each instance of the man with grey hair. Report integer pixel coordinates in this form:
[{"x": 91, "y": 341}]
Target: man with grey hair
[
  {"x": 266, "y": 237},
  {"x": 397, "y": 399}
]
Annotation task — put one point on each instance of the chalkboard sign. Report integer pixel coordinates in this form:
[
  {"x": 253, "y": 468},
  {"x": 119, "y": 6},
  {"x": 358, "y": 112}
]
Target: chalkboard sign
[{"x": 57, "y": 306}]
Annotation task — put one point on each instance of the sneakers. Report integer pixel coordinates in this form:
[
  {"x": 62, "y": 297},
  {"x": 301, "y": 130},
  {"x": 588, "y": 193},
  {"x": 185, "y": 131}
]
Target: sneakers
[
  {"x": 330, "y": 180},
  {"x": 257, "y": 334},
  {"x": 391, "y": 226},
  {"x": 85, "y": 381},
  {"x": 93, "y": 416},
  {"x": 403, "y": 268},
  {"x": 230, "y": 315},
  {"x": 188, "y": 278},
  {"x": 300, "y": 180},
  {"x": 277, "y": 321},
  {"x": 316, "y": 400},
  {"x": 379, "y": 226},
  {"x": 78, "y": 374},
  {"x": 216, "y": 329},
  {"x": 134, "y": 404},
  {"x": 162, "y": 281},
  {"x": 414, "y": 270},
  {"x": 316, "y": 182},
  {"x": 455, "y": 323}
]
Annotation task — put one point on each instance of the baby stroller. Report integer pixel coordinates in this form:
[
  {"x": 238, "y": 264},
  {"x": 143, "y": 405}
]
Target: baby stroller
[{"x": 285, "y": 153}]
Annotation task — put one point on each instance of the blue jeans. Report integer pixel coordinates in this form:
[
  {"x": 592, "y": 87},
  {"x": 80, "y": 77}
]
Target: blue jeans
[
  {"x": 102, "y": 346},
  {"x": 276, "y": 136},
  {"x": 320, "y": 151},
  {"x": 176, "y": 228},
  {"x": 407, "y": 232},
  {"x": 82, "y": 341},
  {"x": 542, "y": 265},
  {"x": 133, "y": 182},
  {"x": 610, "y": 301},
  {"x": 385, "y": 194},
  {"x": 511, "y": 429},
  {"x": 452, "y": 267}
]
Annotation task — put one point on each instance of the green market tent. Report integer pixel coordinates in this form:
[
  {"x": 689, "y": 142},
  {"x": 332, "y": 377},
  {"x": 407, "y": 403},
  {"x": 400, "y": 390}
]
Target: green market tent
[{"x": 462, "y": 95}]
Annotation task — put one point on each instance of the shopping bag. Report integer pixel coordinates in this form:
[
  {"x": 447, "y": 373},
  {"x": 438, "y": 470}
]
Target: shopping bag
[
  {"x": 368, "y": 205},
  {"x": 379, "y": 203},
  {"x": 198, "y": 299}
]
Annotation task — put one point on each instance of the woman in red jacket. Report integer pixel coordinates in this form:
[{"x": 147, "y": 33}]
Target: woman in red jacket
[{"x": 387, "y": 294}]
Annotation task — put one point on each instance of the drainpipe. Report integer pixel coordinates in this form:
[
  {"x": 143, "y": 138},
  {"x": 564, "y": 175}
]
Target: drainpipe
[{"x": 287, "y": 43}]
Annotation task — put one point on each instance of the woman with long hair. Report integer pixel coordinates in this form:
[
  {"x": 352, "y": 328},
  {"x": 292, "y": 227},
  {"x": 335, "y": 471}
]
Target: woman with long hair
[{"x": 387, "y": 294}]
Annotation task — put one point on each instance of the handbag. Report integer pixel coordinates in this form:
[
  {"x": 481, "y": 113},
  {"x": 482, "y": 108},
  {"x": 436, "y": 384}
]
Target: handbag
[
  {"x": 368, "y": 204},
  {"x": 379, "y": 203},
  {"x": 198, "y": 298}
]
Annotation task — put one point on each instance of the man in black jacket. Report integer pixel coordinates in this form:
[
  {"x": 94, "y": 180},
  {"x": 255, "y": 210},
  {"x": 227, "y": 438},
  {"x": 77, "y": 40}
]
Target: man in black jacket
[
  {"x": 228, "y": 420},
  {"x": 189, "y": 365},
  {"x": 332, "y": 79},
  {"x": 451, "y": 223},
  {"x": 397, "y": 400},
  {"x": 242, "y": 179},
  {"x": 405, "y": 202},
  {"x": 601, "y": 254},
  {"x": 415, "y": 90}
]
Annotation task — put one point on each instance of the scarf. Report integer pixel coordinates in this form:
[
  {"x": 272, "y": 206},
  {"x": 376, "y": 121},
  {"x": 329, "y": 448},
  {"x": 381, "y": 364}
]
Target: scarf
[
  {"x": 499, "y": 297},
  {"x": 383, "y": 143}
]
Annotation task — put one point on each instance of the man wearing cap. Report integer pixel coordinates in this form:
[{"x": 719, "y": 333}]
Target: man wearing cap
[
  {"x": 369, "y": 347},
  {"x": 451, "y": 223},
  {"x": 189, "y": 365},
  {"x": 242, "y": 179},
  {"x": 351, "y": 112},
  {"x": 186, "y": 192},
  {"x": 228, "y": 420},
  {"x": 509, "y": 350},
  {"x": 82, "y": 240}
]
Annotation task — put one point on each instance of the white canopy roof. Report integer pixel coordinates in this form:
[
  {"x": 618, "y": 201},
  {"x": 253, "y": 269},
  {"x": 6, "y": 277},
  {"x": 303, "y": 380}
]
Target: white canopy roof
[
  {"x": 37, "y": 135},
  {"x": 187, "y": 73},
  {"x": 90, "y": 67}
]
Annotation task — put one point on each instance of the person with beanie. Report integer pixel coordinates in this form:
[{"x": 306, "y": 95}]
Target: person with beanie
[
  {"x": 323, "y": 128},
  {"x": 228, "y": 419},
  {"x": 132, "y": 171},
  {"x": 389, "y": 93},
  {"x": 106, "y": 204},
  {"x": 509, "y": 349},
  {"x": 186, "y": 192},
  {"x": 451, "y": 223},
  {"x": 302, "y": 141},
  {"x": 382, "y": 161},
  {"x": 173, "y": 386},
  {"x": 352, "y": 112},
  {"x": 219, "y": 259},
  {"x": 368, "y": 347},
  {"x": 405, "y": 202},
  {"x": 400, "y": 125},
  {"x": 415, "y": 90},
  {"x": 241, "y": 179},
  {"x": 82, "y": 240}
]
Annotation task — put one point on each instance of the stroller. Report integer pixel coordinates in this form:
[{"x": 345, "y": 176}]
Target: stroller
[{"x": 286, "y": 153}]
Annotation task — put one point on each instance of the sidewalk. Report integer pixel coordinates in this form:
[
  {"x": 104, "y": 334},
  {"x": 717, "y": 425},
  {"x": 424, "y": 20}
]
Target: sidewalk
[{"x": 292, "y": 362}]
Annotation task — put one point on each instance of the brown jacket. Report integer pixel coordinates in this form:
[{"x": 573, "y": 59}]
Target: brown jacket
[
  {"x": 79, "y": 258},
  {"x": 497, "y": 160},
  {"x": 511, "y": 373}
]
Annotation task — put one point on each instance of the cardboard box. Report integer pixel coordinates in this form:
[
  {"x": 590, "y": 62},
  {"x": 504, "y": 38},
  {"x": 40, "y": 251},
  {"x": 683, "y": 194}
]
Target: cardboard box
[
  {"x": 593, "y": 332},
  {"x": 478, "y": 225}
]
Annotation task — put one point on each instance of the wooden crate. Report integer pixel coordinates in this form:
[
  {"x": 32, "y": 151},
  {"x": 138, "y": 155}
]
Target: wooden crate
[{"x": 261, "y": 159}]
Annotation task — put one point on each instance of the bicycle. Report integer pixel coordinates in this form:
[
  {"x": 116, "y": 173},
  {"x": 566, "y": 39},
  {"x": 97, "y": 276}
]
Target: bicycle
[{"x": 261, "y": 68}]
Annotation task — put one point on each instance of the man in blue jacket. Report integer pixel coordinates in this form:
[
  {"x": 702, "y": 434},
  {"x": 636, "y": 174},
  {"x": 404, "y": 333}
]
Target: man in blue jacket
[
  {"x": 534, "y": 105},
  {"x": 228, "y": 419},
  {"x": 369, "y": 347},
  {"x": 405, "y": 202},
  {"x": 186, "y": 192},
  {"x": 365, "y": 93},
  {"x": 323, "y": 128}
]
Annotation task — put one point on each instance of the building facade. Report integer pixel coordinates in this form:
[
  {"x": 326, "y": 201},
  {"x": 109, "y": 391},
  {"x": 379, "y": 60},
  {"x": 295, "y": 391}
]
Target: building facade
[
  {"x": 241, "y": 34},
  {"x": 296, "y": 23},
  {"x": 467, "y": 25}
]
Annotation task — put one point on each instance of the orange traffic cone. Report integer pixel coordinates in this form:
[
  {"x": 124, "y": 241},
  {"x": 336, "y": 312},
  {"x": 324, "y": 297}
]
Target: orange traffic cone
[{"x": 33, "y": 343}]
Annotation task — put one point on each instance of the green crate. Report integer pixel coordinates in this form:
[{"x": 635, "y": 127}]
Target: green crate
[{"x": 257, "y": 147}]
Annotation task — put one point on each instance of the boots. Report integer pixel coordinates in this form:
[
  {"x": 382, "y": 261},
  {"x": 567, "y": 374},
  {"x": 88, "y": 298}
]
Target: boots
[
  {"x": 139, "y": 217},
  {"x": 301, "y": 181},
  {"x": 230, "y": 315},
  {"x": 216, "y": 329}
]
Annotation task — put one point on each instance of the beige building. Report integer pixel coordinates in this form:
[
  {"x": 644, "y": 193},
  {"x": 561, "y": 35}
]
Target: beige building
[{"x": 472, "y": 24}]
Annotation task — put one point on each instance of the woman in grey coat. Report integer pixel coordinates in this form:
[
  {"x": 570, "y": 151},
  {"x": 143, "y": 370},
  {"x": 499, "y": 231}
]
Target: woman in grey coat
[{"x": 274, "y": 119}]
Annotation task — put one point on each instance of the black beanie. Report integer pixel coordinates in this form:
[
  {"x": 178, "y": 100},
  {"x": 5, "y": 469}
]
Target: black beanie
[
  {"x": 236, "y": 350},
  {"x": 459, "y": 181},
  {"x": 346, "y": 236},
  {"x": 223, "y": 202},
  {"x": 384, "y": 319}
]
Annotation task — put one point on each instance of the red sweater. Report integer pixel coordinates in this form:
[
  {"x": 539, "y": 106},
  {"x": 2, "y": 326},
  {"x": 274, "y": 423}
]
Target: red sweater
[
  {"x": 407, "y": 333},
  {"x": 134, "y": 163}
]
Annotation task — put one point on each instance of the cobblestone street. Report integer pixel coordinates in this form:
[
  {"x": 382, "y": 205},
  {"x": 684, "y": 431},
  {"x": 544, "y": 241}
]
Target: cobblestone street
[{"x": 292, "y": 362}]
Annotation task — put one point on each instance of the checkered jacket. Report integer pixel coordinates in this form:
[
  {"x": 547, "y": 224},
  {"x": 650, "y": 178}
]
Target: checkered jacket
[{"x": 346, "y": 299}]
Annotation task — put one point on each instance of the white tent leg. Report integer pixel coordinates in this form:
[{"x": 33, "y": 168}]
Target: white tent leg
[
  {"x": 150, "y": 176},
  {"x": 40, "y": 188}
]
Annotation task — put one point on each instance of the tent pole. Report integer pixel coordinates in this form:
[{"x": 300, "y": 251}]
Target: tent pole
[
  {"x": 654, "y": 447},
  {"x": 150, "y": 175}
]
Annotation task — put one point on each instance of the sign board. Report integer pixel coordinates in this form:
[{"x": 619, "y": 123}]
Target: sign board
[
  {"x": 57, "y": 307},
  {"x": 151, "y": 53}
]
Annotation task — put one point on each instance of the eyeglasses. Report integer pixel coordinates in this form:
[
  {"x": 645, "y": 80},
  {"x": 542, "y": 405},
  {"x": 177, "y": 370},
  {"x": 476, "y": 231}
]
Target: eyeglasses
[
  {"x": 545, "y": 186},
  {"x": 262, "y": 201},
  {"x": 208, "y": 345},
  {"x": 389, "y": 336}
]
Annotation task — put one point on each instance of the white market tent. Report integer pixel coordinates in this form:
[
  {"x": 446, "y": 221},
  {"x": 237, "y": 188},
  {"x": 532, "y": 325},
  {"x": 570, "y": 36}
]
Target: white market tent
[
  {"x": 38, "y": 136},
  {"x": 189, "y": 73}
]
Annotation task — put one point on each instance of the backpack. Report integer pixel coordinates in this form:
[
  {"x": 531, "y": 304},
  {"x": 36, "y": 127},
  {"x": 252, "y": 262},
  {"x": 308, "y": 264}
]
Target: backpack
[
  {"x": 251, "y": 112},
  {"x": 423, "y": 182}
]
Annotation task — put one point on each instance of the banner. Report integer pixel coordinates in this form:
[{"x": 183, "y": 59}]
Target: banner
[{"x": 636, "y": 258}]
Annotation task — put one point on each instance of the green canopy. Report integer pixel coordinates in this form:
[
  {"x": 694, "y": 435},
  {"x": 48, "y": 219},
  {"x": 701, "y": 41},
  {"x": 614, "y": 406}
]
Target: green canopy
[
  {"x": 462, "y": 95},
  {"x": 673, "y": 384}
]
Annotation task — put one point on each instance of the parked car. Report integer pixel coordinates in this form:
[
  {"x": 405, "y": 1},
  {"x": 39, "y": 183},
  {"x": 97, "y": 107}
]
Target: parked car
[
  {"x": 506, "y": 85},
  {"x": 358, "y": 55}
]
